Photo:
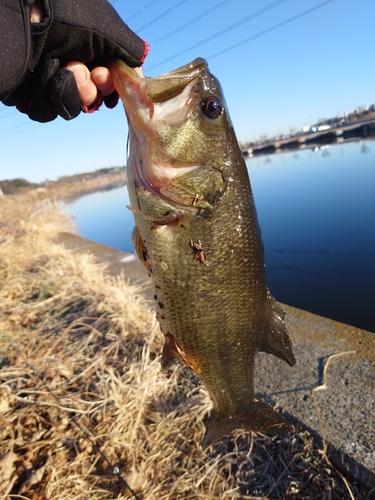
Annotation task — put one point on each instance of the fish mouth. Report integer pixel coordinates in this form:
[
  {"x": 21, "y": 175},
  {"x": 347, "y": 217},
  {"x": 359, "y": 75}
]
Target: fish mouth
[
  {"x": 169, "y": 85},
  {"x": 150, "y": 104}
]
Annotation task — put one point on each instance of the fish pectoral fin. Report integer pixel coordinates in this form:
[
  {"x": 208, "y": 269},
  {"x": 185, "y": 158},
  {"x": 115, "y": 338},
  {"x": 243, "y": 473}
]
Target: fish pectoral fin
[
  {"x": 263, "y": 419},
  {"x": 158, "y": 220},
  {"x": 139, "y": 248},
  {"x": 276, "y": 339}
]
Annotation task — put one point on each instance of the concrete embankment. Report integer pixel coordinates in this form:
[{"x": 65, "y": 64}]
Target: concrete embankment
[{"x": 330, "y": 391}]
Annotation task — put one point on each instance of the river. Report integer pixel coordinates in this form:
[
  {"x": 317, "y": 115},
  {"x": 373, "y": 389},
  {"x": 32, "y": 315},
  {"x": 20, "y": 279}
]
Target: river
[{"x": 316, "y": 209}]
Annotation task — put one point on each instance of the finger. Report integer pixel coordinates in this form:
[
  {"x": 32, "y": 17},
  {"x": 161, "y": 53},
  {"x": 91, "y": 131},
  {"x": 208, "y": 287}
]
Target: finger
[
  {"x": 86, "y": 87},
  {"x": 103, "y": 81}
]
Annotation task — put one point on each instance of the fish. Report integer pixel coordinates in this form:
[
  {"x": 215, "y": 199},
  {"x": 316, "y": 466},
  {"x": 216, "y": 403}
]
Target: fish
[{"x": 197, "y": 234}]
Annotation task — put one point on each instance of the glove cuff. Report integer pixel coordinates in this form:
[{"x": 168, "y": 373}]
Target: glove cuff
[{"x": 95, "y": 106}]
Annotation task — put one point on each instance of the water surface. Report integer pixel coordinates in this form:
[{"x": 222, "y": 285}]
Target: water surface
[
  {"x": 104, "y": 218},
  {"x": 317, "y": 213},
  {"x": 316, "y": 210}
]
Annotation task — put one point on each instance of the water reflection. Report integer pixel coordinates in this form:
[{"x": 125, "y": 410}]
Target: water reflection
[
  {"x": 317, "y": 213},
  {"x": 317, "y": 216},
  {"x": 104, "y": 218}
]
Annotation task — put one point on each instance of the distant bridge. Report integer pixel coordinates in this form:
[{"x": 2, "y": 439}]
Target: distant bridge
[{"x": 363, "y": 128}]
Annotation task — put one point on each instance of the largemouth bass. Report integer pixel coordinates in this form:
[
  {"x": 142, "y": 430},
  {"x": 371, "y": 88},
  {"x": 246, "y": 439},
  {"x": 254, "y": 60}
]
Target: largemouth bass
[{"x": 198, "y": 235}]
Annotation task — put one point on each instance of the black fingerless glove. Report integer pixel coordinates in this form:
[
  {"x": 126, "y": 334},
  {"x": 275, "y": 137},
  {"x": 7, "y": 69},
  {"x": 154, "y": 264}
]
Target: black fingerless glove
[{"x": 33, "y": 55}]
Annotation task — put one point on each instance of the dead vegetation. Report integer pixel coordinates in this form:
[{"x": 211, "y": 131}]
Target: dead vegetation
[
  {"x": 85, "y": 410},
  {"x": 69, "y": 187}
]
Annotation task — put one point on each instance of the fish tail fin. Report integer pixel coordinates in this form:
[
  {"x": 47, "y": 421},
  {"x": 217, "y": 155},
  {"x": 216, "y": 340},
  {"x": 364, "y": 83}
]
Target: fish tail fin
[
  {"x": 263, "y": 418},
  {"x": 276, "y": 339}
]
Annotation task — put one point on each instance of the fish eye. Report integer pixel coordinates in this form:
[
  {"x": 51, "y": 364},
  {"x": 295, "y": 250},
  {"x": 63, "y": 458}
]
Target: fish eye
[{"x": 212, "y": 107}]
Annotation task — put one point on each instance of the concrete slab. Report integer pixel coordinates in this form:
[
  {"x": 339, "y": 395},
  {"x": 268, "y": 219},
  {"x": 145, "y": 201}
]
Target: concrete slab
[{"x": 335, "y": 363}]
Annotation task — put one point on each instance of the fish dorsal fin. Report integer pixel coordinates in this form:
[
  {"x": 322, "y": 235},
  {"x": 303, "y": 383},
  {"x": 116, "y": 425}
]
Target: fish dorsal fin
[
  {"x": 276, "y": 339},
  {"x": 261, "y": 419}
]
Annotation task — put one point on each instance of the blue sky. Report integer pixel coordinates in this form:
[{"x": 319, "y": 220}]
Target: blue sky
[{"x": 315, "y": 66}]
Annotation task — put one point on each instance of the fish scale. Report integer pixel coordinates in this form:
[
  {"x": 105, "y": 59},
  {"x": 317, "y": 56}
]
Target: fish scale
[{"x": 197, "y": 233}]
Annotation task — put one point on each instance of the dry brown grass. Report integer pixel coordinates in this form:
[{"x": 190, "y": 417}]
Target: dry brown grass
[
  {"x": 69, "y": 190},
  {"x": 85, "y": 409}
]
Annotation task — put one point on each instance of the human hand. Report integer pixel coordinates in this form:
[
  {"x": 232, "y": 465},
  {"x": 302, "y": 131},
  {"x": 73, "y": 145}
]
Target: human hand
[
  {"x": 92, "y": 86},
  {"x": 72, "y": 31}
]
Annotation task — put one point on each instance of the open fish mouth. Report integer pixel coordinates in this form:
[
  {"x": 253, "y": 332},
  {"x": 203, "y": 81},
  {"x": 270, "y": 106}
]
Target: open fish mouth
[{"x": 153, "y": 106}]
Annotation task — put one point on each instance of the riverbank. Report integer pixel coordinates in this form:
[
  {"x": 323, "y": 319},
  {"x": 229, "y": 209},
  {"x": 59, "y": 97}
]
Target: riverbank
[
  {"x": 82, "y": 392},
  {"x": 71, "y": 187},
  {"x": 70, "y": 190}
]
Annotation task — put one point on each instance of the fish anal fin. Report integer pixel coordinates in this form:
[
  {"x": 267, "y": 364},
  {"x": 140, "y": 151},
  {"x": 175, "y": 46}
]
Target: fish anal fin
[
  {"x": 172, "y": 351},
  {"x": 263, "y": 418},
  {"x": 276, "y": 339}
]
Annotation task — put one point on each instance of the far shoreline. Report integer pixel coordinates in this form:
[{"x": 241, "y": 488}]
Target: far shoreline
[{"x": 69, "y": 188}]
